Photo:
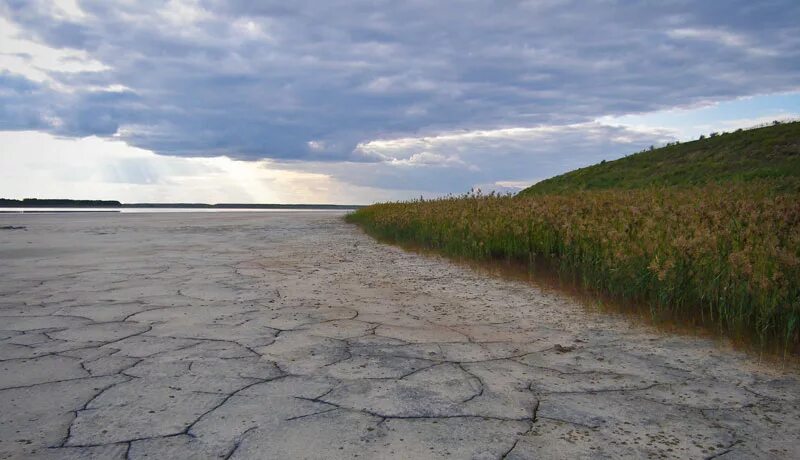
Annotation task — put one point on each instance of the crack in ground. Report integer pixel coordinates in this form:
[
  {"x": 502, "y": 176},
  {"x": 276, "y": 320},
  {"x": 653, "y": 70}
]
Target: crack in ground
[
  {"x": 83, "y": 408},
  {"x": 186, "y": 431},
  {"x": 249, "y": 268},
  {"x": 311, "y": 414},
  {"x": 603, "y": 390},
  {"x": 727, "y": 449},
  {"x": 408, "y": 417},
  {"x": 238, "y": 442},
  {"x": 480, "y": 383},
  {"x": 533, "y": 419}
]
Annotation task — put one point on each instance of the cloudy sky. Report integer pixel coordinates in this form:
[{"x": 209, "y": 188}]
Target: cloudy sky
[{"x": 350, "y": 101}]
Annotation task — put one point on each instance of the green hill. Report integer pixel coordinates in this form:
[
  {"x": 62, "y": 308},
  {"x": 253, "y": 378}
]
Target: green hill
[
  {"x": 701, "y": 233},
  {"x": 771, "y": 153}
]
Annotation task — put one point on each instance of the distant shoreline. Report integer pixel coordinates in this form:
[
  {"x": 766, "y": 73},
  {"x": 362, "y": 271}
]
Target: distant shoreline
[
  {"x": 59, "y": 211},
  {"x": 241, "y": 206},
  {"x": 64, "y": 203}
]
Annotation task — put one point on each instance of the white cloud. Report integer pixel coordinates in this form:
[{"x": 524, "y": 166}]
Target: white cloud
[
  {"x": 504, "y": 160},
  {"x": 450, "y": 148},
  {"x": 250, "y": 29},
  {"x": 261, "y": 79},
  {"x": 68, "y": 9},
  {"x": 36, "y": 164},
  {"x": 514, "y": 184},
  {"x": 385, "y": 99},
  {"x": 722, "y": 37},
  {"x": 407, "y": 83},
  {"x": 316, "y": 146},
  {"x": 35, "y": 61},
  {"x": 183, "y": 13},
  {"x": 430, "y": 159}
]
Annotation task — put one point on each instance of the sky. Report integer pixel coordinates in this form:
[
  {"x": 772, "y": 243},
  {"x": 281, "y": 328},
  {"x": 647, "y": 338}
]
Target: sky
[{"x": 356, "y": 101}]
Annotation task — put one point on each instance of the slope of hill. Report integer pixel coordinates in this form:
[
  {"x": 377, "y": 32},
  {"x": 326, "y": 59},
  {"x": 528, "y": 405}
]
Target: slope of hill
[
  {"x": 706, "y": 232},
  {"x": 771, "y": 153}
]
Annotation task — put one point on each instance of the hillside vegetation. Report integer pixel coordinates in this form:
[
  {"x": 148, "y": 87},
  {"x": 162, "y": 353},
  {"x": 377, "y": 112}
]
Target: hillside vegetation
[
  {"x": 771, "y": 153},
  {"x": 710, "y": 238}
]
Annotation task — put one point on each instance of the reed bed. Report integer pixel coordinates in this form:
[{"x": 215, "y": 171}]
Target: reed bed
[{"x": 725, "y": 255}]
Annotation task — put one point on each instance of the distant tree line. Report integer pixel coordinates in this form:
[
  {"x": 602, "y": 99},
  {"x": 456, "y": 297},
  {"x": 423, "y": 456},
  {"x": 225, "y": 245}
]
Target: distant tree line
[
  {"x": 58, "y": 202},
  {"x": 64, "y": 203}
]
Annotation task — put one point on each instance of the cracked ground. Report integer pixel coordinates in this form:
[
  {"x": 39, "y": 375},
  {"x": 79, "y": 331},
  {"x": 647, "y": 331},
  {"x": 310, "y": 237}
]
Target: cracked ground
[{"x": 293, "y": 335}]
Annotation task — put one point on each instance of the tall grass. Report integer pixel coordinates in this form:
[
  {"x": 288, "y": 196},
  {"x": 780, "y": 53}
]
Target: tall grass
[{"x": 727, "y": 254}]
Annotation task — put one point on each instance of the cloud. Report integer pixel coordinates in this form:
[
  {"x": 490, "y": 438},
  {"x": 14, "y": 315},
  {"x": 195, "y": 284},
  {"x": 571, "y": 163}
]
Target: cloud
[
  {"x": 689, "y": 123},
  {"x": 276, "y": 79},
  {"x": 407, "y": 91},
  {"x": 430, "y": 159},
  {"x": 503, "y": 159},
  {"x": 40, "y": 63},
  {"x": 722, "y": 37},
  {"x": 35, "y": 164}
]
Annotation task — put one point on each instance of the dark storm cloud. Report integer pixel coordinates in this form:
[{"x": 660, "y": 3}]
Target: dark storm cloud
[
  {"x": 312, "y": 79},
  {"x": 22, "y": 104}
]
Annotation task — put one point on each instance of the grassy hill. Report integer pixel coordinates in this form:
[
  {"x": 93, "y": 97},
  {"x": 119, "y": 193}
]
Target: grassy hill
[
  {"x": 706, "y": 232},
  {"x": 771, "y": 153}
]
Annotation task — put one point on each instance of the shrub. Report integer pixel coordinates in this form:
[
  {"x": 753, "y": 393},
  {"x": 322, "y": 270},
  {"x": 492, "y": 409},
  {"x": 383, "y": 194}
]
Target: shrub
[{"x": 726, "y": 255}]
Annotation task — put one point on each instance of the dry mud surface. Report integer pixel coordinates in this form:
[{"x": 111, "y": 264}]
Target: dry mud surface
[{"x": 293, "y": 335}]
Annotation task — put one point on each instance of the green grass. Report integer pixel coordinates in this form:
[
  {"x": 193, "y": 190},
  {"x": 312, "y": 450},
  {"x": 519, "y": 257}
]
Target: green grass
[
  {"x": 705, "y": 233},
  {"x": 771, "y": 153}
]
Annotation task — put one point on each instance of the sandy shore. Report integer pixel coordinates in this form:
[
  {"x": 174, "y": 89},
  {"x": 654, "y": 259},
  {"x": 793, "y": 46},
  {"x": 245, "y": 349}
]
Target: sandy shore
[{"x": 293, "y": 335}]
